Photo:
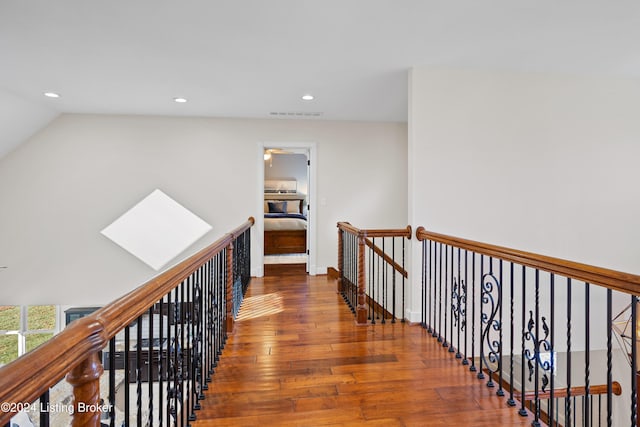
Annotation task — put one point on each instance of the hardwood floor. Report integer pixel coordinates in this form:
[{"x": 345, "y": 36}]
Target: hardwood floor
[{"x": 297, "y": 358}]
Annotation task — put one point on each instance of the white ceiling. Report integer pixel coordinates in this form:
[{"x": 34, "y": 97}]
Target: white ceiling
[{"x": 249, "y": 58}]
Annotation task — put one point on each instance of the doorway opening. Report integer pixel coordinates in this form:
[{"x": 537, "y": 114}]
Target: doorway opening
[{"x": 287, "y": 221}]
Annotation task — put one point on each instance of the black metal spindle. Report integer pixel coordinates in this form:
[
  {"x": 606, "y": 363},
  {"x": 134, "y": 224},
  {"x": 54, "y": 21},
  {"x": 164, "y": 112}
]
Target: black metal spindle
[
  {"x": 445, "y": 307},
  {"x": 423, "y": 285},
  {"x": 44, "y": 408},
  {"x": 511, "y": 401},
  {"x": 434, "y": 273},
  {"x": 112, "y": 382},
  {"x": 480, "y": 374},
  {"x": 536, "y": 360},
  {"x": 552, "y": 355},
  {"x": 149, "y": 362},
  {"x": 500, "y": 391},
  {"x": 568, "y": 400},
  {"x": 451, "y": 300},
  {"x": 460, "y": 291},
  {"x": 465, "y": 360},
  {"x": 393, "y": 256},
  {"x": 139, "y": 372},
  {"x": 523, "y": 409},
  {"x": 472, "y": 368},
  {"x": 403, "y": 280},
  {"x": 385, "y": 283},
  {"x": 634, "y": 358},
  {"x": 587, "y": 352}
]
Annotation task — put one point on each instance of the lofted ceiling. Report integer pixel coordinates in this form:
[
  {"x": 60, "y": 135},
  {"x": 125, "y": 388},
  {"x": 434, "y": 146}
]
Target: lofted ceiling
[{"x": 254, "y": 58}]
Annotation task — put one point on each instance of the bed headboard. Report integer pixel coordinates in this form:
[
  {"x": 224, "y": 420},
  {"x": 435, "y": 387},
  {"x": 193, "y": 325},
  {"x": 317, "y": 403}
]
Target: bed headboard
[{"x": 286, "y": 186}]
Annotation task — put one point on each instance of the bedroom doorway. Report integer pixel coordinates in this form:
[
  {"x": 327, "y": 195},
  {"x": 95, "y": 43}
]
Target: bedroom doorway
[{"x": 286, "y": 189}]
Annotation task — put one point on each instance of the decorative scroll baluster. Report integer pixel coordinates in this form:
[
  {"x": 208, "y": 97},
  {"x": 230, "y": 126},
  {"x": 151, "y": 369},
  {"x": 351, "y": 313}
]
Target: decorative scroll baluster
[{"x": 491, "y": 304}]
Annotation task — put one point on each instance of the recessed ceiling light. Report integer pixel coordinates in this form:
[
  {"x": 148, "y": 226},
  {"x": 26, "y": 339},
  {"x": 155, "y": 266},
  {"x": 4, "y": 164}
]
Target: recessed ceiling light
[
  {"x": 180, "y": 100},
  {"x": 51, "y": 95},
  {"x": 307, "y": 97}
]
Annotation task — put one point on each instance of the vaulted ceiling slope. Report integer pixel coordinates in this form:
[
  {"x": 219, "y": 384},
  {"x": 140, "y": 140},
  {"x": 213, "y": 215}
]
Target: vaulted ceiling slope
[{"x": 253, "y": 58}]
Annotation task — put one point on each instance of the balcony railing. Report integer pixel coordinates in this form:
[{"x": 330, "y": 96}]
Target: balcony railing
[
  {"x": 145, "y": 358},
  {"x": 372, "y": 272},
  {"x": 538, "y": 330}
]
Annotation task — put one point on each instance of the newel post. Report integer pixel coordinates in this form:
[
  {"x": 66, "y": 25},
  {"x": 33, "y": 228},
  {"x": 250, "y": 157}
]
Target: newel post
[
  {"x": 340, "y": 258},
  {"x": 361, "y": 310},
  {"x": 85, "y": 379},
  {"x": 230, "y": 287}
]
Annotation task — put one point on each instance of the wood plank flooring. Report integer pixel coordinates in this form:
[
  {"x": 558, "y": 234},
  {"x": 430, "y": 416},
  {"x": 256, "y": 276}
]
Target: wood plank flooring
[{"x": 296, "y": 358}]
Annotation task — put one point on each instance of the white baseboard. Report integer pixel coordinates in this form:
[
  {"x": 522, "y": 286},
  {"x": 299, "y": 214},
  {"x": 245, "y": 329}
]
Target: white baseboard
[{"x": 413, "y": 316}]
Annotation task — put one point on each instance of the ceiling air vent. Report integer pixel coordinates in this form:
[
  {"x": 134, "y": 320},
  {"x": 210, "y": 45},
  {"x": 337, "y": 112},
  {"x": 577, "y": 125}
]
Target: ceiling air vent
[{"x": 294, "y": 114}]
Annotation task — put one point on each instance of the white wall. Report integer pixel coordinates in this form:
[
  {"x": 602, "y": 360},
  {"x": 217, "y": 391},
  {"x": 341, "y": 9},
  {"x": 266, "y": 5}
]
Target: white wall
[
  {"x": 63, "y": 186},
  {"x": 540, "y": 162}
]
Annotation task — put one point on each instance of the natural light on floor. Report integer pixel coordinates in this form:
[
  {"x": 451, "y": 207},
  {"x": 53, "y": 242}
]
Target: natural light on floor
[{"x": 259, "y": 306}]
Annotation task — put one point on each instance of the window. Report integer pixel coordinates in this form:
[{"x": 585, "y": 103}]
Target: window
[{"x": 23, "y": 328}]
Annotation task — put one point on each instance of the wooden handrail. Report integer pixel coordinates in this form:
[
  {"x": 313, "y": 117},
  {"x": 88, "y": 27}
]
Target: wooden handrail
[
  {"x": 616, "y": 280},
  {"x": 86, "y": 336},
  {"x": 378, "y": 251},
  {"x": 383, "y": 232},
  {"x": 616, "y": 389}
]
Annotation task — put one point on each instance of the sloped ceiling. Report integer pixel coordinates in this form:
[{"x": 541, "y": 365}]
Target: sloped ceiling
[{"x": 253, "y": 58}]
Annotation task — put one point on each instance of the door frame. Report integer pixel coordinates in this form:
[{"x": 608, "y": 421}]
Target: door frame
[{"x": 258, "y": 253}]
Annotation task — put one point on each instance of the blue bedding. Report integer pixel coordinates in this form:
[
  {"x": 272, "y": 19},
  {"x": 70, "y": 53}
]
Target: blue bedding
[{"x": 285, "y": 215}]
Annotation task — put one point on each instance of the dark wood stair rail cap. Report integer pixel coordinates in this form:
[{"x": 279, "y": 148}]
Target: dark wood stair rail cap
[
  {"x": 383, "y": 232},
  {"x": 28, "y": 377},
  {"x": 616, "y": 280}
]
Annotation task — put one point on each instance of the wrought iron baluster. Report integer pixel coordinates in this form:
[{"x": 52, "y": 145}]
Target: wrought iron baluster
[
  {"x": 139, "y": 372},
  {"x": 450, "y": 277},
  {"x": 434, "y": 272},
  {"x": 393, "y": 255},
  {"x": 511, "y": 401},
  {"x": 523, "y": 410},
  {"x": 403, "y": 280},
  {"x": 112, "y": 382},
  {"x": 472, "y": 368},
  {"x": 150, "y": 362},
  {"x": 634, "y": 357},
  {"x": 385, "y": 283},
  {"x": 459, "y": 309},
  {"x": 445, "y": 306},
  {"x": 500, "y": 391},
  {"x": 568, "y": 400},
  {"x": 480, "y": 374},
  {"x": 44, "y": 405},
  {"x": 552, "y": 356},
  {"x": 465, "y": 359},
  {"x": 587, "y": 352}
]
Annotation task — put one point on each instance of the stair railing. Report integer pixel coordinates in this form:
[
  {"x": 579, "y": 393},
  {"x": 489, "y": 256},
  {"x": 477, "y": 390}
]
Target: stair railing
[
  {"x": 157, "y": 347},
  {"x": 535, "y": 326},
  {"x": 372, "y": 274}
]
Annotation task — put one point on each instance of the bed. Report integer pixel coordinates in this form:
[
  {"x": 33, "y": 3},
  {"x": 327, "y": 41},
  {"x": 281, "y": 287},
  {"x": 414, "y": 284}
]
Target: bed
[{"x": 285, "y": 225}]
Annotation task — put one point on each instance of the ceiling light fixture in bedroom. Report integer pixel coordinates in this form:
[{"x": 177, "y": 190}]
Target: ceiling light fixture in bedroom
[
  {"x": 308, "y": 97},
  {"x": 180, "y": 100},
  {"x": 51, "y": 95}
]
